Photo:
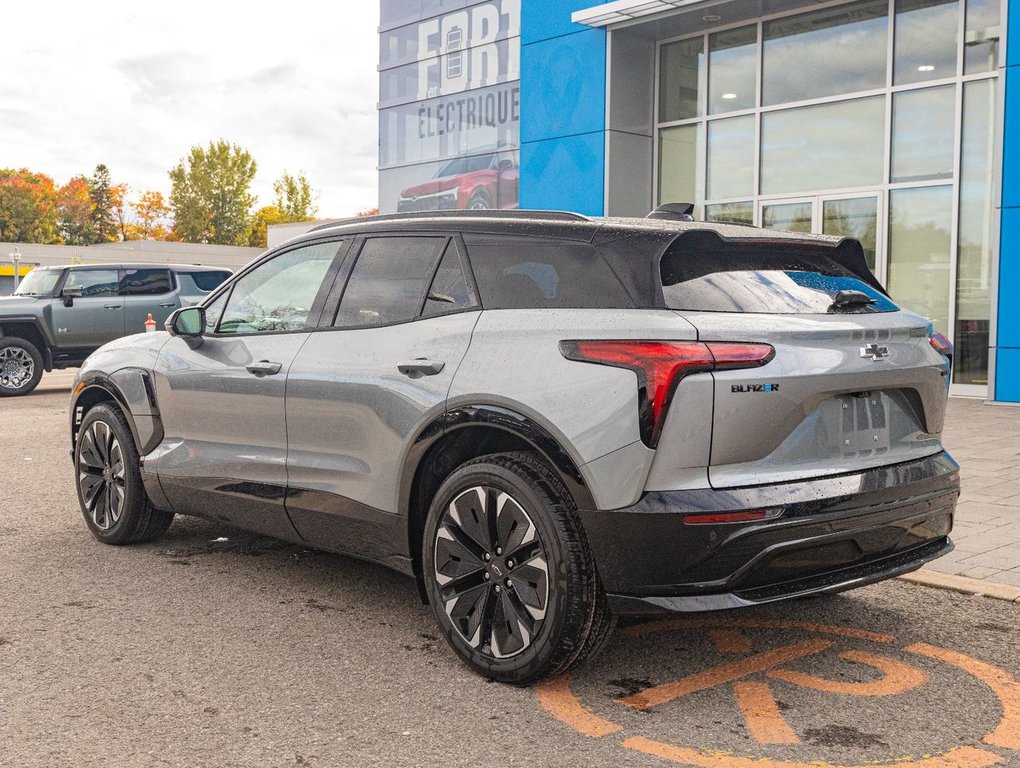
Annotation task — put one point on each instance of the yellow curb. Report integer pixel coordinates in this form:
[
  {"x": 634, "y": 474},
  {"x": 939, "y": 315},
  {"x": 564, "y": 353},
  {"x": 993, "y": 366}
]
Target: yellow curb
[{"x": 964, "y": 584}]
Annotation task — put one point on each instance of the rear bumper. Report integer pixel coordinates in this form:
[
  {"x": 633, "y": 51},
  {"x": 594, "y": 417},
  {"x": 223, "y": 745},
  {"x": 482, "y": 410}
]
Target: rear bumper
[{"x": 823, "y": 536}]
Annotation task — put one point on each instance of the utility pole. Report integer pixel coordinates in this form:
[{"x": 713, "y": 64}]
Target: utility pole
[{"x": 16, "y": 258}]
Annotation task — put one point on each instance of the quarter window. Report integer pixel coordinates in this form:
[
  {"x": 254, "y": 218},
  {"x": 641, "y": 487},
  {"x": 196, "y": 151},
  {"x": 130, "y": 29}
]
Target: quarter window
[
  {"x": 449, "y": 290},
  {"x": 93, "y": 282},
  {"x": 278, "y": 295},
  {"x": 387, "y": 284}
]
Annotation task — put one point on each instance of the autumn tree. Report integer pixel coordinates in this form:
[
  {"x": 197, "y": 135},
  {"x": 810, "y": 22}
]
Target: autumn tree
[
  {"x": 295, "y": 198},
  {"x": 28, "y": 207},
  {"x": 210, "y": 194},
  {"x": 151, "y": 211},
  {"x": 119, "y": 210},
  {"x": 258, "y": 235},
  {"x": 75, "y": 212},
  {"x": 368, "y": 212}
]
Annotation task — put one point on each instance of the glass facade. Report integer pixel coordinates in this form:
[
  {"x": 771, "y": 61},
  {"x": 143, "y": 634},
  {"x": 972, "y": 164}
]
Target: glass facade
[{"x": 873, "y": 119}]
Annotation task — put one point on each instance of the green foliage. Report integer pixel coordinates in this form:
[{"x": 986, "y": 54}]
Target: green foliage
[
  {"x": 103, "y": 219},
  {"x": 263, "y": 218},
  {"x": 210, "y": 194},
  {"x": 295, "y": 198},
  {"x": 28, "y": 207}
]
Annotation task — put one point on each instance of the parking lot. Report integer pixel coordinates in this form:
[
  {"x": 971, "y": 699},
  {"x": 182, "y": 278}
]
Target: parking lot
[{"x": 218, "y": 648}]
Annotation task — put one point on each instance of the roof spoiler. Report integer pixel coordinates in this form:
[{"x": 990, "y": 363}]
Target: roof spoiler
[{"x": 673, "y": 212}]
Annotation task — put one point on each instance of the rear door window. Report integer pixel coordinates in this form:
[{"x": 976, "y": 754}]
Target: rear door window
[
  {"x": 529, "y": 273},
  {"x": 704, "y": 274},
  {"x": 145, "y": 282},
  {"x": 207, "y": 280},
  {"x": 388, "y": 282}
]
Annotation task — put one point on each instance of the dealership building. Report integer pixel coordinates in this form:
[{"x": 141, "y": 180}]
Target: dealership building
[{"x": 891, "y": 121}]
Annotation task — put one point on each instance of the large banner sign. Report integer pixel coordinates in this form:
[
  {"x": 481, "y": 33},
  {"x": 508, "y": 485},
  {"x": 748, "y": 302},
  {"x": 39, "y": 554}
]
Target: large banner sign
[{"x": 449, "y": 111}]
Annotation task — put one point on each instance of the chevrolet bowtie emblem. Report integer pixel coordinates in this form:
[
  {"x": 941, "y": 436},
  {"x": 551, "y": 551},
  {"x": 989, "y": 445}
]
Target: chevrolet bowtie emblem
[{"x": 875, "y": 351}]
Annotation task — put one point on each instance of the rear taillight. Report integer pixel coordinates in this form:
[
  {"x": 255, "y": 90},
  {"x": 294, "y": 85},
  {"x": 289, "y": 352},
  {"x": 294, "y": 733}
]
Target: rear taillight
[
  {"x": 941, "y": 344},
  {"x": 660, "y": 365}
]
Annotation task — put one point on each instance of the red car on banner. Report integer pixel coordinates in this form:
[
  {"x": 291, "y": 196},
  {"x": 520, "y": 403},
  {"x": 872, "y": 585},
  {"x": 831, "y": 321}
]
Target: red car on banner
[{"x": 477, "y": 182}]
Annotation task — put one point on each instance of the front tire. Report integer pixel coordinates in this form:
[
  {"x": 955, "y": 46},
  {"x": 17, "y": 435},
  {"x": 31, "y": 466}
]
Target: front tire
[
  {"x": 110, "y": 492},
  {"x": 508, "y": 571},
  {"x": 21, "y": 366}
]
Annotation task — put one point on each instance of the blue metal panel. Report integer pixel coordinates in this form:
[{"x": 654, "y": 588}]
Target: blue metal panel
[
  {"x": 1013, "y": 39},
  {"x": 1008, "y": 334},
  {"x": 550, "y": 18},
  {"x": 1007, "y": 375},
  {"x": 1011, "y": 135},
  {"x": 563, "y": 86},
  {"x": 564, "y": 174}
]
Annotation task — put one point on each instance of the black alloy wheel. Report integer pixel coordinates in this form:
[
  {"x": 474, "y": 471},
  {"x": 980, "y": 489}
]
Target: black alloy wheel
[
  {"x": 110, "y": 491},
  {"x": 491, "y": 568},
  {"x": 508, "y": 571}
]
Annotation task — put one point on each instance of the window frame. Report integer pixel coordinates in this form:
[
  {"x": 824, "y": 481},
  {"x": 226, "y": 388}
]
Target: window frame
[
  {"x": 174, "y": 285},
  {"x": 314, "y": 313},
  {"x": 90, "y": 268}
]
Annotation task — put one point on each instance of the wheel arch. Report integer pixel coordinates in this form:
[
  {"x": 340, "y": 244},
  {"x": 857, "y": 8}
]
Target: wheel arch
[
  {"x": 131, "y": 391},
  {"x": 464, "y": 433},
  {"x": 29, "y": 329}
]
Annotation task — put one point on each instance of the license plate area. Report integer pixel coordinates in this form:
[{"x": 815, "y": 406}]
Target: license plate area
[{"x": 864, "y": 424}]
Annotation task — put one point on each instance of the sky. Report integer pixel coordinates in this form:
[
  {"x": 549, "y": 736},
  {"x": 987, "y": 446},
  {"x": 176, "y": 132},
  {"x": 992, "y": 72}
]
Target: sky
[{"x": 135, "y": 85}]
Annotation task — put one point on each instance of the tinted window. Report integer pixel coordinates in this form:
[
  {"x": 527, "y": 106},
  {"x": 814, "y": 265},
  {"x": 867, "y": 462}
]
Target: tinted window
[
  {"x": 449, "y": 290},
  {"x": 515, "y": 273},
  {"x": 712, "y": 275},
  {"x": 278, "y": 294},
  {"x": 207, "y": 280},
  {"x": 387, "y": 284},
  {"x": 145, "y": 282},
  {"x": 93, "y": 282}
]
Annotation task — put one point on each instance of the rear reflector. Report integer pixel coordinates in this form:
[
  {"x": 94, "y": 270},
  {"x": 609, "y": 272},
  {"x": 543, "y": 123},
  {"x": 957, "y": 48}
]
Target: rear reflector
[
  {"x": 660, "y": 365},
  {"x": 726, "y": 517}
]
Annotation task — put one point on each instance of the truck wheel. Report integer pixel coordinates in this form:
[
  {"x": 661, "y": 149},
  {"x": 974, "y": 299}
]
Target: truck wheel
[
  {"x": 508, "y": 571},
  {"x": 110, "y": 492},
  {"x": 21, "y": 366}
]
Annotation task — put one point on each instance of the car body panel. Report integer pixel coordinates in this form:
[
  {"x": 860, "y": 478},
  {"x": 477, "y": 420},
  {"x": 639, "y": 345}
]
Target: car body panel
[
  {"x": 351, "y": 415},
  {"x": 225, "y": 447}
]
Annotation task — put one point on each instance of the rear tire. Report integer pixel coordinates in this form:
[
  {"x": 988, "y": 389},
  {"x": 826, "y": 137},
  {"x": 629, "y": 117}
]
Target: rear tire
[
  {"x": 21, "y": 366},
  {"x": 509, "y": 573},
  {"x": 110, "y": 492}
]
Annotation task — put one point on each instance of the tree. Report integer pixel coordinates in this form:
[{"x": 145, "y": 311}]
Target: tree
[
  {"x": 295, "y": 198},
  {"x": 118, "y": 207},
  {"x": 258, "y": 236},
  {"x": 151, "y": 211},
  {"x": 210, "y": 196},
  {"x": 28, "y": 207},
  {"x": 100, "y": 187},
  {"x": 368, "y": 212},
  {"x": 75, "y": 212}
]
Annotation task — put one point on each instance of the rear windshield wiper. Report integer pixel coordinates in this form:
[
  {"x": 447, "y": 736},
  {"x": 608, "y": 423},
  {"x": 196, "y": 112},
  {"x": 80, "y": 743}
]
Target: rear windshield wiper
[{"x": 844, "y": 299}]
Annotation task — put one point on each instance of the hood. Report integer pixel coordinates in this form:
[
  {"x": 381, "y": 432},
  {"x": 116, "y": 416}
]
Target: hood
[
  {"x": 13, "y": 305},
  {"x": 433, "y": 186}
]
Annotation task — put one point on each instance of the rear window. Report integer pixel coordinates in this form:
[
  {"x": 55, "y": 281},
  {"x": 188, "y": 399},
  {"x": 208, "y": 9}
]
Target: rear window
[
  {"x": 145, "y": 282},
  {"x": 709, "y": 274},
  {"x": 527, "y": 273}
]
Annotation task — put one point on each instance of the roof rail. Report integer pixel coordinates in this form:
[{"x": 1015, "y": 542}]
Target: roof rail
[{"x": 462, "y": 214}]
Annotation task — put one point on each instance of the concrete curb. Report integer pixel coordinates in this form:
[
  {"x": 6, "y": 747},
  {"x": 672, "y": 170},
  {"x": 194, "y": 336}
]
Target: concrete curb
[{"x": 964, "y": 584}]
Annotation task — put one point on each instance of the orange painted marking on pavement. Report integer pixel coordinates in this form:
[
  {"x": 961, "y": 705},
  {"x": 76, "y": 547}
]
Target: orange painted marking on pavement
[
  {"x": 961, "y": 757},
  {"x": 897, "y": 677},
  {"x": 724, "y": 673},
  {"x": 640, "y": 630},
  {"x": 730, "y": 641},
  {"x": 1003, "y": 685},
  {"x": 559, "y": 701},
  {"x": 761, "y": 711}
]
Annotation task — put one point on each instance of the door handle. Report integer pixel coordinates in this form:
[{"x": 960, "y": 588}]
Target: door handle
[
  {"x": 264, "y": 368},
  {"x": 421, "y": 367},
  {"x": 112, "y": 306},
  {"x": 168, "y": 304}
]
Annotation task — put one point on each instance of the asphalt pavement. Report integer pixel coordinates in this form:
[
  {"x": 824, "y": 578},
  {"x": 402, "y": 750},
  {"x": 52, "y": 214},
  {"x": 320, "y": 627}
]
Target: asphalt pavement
[{"x": 217, "y": 648}]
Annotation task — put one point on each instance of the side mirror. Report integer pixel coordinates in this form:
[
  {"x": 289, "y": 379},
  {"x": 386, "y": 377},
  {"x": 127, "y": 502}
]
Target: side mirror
[
  {"x": 71, "y": 293},
  {"x": 188, "y": 322}
]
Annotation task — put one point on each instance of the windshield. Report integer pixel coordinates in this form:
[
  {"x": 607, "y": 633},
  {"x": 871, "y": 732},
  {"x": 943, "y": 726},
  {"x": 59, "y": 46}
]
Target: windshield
[{"x": 38, "y": 282}]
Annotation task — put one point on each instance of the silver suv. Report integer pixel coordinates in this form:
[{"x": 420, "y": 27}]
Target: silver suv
[{"x": 547, "y": 420}]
